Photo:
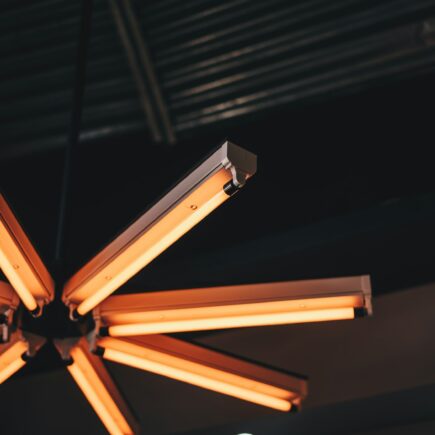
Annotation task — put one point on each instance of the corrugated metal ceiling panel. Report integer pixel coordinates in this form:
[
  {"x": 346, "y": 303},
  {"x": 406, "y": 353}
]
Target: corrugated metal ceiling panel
[{"x": 216, "y": 62}]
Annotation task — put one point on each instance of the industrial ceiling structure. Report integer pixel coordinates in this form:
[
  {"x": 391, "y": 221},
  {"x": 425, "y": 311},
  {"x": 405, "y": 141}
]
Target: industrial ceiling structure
[
  {"x": 211, "y": 64},
  {"x": 333, "y": 97}
]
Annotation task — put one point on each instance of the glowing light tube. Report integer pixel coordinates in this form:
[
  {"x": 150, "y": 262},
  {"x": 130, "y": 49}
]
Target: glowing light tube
[
  {"x": 94, "y": 381},
  {"x": 11, "y": 357},
  {"x": 190, "y": 201},
  {"x": 21, "y": 264},
  {"x": 207, "y": 369},
  {"x": 235, "y": 306}
]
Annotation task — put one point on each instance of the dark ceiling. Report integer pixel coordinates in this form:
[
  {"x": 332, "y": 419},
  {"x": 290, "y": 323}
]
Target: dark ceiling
[
  {"x": 334, "y": 97},
  {"x": 216, "y": 63}
]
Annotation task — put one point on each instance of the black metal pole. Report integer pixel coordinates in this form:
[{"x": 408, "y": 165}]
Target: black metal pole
[{"x": 74, "y": 129}]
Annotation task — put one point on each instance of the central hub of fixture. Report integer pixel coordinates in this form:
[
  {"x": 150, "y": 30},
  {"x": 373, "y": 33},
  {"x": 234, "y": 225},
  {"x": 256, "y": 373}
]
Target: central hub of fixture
[{"x": 56, "y": 323}]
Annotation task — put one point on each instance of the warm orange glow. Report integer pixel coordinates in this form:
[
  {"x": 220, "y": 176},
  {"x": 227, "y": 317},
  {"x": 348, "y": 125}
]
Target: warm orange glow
[
  {"x": 193, "y": 372},
  {"x": 89, "y": 381},
  {"x": 151, "y": 243},
  {"x": 16, "y": 281},
  {"x": 233, "y": 316},
  {"x": 20, "y": 262},
  {"x": 10, "y": 359}
]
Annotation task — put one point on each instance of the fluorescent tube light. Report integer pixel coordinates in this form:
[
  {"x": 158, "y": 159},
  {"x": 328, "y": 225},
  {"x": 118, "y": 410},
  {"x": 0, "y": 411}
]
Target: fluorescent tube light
[
  {"x": 21, "y": 264},
  {"x": 15, "y": 353},
  {"x": 235, "y": 306},
  {"x": 190, "y": 201},
  {"x": 207, "y": 369},
  {"x": 96, "y": 384}
]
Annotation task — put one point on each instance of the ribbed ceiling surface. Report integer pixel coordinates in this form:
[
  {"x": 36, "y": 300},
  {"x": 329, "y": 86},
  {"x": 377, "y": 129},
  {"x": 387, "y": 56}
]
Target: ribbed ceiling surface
[{"x": 216, "y": 62}]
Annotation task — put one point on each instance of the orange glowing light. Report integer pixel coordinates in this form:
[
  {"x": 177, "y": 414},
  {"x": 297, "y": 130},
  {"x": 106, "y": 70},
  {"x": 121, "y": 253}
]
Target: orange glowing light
[
  {"x": 11, "y": 358},
  {"x": 153, "y": 242},
  {"x": 94, "y": 381},
  {"x": 239, "y": 321},
  {"x": 176, "y": 213},
  {"x": 234, "y": 306},
  {"x": 21, "y": 263},
  {"x": 206, "y": 369}
]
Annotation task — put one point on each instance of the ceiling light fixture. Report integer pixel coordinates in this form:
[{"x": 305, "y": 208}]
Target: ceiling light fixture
[
  {"x": 138, "y": 319},
  {"x": 21, "y": 264},
  {"x": 13, "y": 355},
  {"x": 96, "y": 384},
  {"x": 209, "y": 185},
  {"x": 190, "y": 201},
  {"x": 207, "y": 369},
  {"x": 234, "y": 306}
]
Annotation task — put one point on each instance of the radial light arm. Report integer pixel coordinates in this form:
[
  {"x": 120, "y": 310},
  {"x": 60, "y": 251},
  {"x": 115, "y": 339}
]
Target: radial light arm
[
  {"x": 15, "y": 353},
  {"x": 235, "y": 306},
  {"x": 190, "y": 201},
  {"x": 96, "y": 384},
  {"x": 208, "y": 369},
  {"x": 21, "y": 264}
]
